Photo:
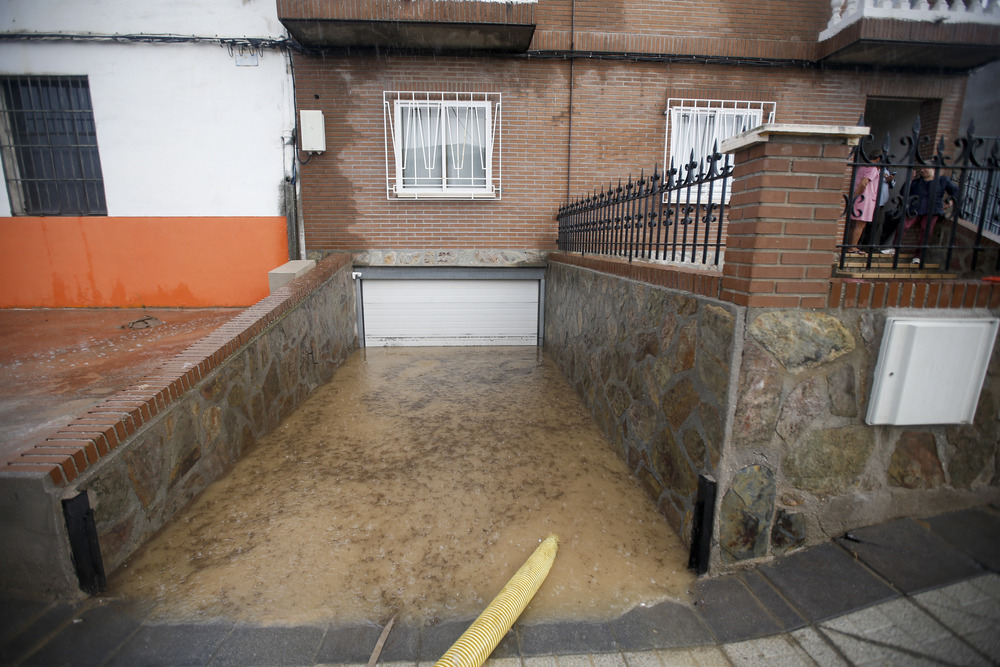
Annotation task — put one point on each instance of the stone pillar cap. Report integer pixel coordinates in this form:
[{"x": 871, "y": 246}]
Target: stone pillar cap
[{"x": 763, "y": 133}]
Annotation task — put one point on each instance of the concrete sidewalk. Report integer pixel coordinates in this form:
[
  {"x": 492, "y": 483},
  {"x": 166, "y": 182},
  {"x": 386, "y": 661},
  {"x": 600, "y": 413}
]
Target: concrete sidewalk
[{"x": 906, "y": 592}]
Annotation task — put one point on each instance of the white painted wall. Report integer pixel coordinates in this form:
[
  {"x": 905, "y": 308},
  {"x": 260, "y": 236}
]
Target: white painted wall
[
  {"x": 220, "y": 18},
  {"x": 181, "y": 130}
]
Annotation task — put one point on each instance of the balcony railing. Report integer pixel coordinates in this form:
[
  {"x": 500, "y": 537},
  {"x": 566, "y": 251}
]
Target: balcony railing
[{"x": 847, "y": 12}]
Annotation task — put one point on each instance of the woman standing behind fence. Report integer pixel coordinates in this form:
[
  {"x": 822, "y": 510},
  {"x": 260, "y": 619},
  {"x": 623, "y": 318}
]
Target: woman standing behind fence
[{"x": 865, "y": 193}]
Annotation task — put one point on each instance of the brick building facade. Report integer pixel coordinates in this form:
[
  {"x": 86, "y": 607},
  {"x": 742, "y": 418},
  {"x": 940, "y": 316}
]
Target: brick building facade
[{"x": 584, "y": 104}]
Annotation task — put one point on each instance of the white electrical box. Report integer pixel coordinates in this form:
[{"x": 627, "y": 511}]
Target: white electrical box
[
  {"x": 313, "y": 130},
  {"x": 931, "y": 371}
]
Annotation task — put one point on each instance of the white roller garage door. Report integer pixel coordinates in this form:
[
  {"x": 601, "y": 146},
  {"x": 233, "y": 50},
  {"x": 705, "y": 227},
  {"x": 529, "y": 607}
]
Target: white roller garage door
[{"x": 450, "y": 312}]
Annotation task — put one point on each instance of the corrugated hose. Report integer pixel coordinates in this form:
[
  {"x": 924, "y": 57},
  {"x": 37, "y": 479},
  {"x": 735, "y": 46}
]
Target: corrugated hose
[{"x": 476, "y": 643}]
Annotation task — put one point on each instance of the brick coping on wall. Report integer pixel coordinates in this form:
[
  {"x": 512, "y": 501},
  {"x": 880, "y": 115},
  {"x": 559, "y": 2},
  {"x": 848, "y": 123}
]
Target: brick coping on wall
[
  {"x": 861, "y": 293},
  {"x": 844, "y": 292},
  {"x": 82, "y": 442},
  {"x": 697, "y": 281}
]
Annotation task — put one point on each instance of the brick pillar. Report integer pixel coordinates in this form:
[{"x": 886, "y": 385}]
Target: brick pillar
[{"x": 787, "y": 198}]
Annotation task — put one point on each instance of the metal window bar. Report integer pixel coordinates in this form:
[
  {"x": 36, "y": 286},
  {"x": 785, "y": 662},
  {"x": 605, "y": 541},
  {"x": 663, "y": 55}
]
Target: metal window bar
[
  {"x": 677, "y": 218},
  {"x": 48, "y": 146},
  {"x": 694, "y": 126},
  {"x": 982, "y": 199},
  {"x": 442, "y": 145},
  {"x": 961, "y": 197}
]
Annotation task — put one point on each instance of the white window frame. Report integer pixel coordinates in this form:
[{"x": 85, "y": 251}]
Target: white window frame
[
  {"x": 706, "y": 115},
  {"x": 485, "y": 108}
]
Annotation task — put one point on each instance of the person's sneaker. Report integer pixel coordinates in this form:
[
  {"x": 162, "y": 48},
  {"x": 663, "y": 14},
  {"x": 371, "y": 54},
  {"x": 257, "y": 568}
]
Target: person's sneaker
[
  {"x": 915, "y": 260},
  {"x": 888, "y": 251}
]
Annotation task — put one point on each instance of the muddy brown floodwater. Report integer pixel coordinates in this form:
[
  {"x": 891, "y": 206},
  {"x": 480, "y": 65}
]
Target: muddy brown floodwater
[{"x": 417, "y": 481}]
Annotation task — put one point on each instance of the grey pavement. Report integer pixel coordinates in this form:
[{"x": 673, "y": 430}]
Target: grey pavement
[{"x": 907, "y": 592}]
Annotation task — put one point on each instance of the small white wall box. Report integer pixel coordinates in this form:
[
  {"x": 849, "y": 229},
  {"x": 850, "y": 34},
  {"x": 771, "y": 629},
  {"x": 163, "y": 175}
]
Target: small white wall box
[
  {"x": 931, "y": 371},
  {"x": 313, "y": 131}
]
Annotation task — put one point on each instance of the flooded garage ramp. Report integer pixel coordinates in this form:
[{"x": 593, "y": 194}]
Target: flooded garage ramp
[{"x": 417, "y": 481}]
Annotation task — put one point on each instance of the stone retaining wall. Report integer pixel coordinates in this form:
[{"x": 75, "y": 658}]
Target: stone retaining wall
[
  {"x": 801, "y": 464},
  {"x": 654, "y": 365},
  {"x": 771, "y": 402},
  {"x": 142, "y": 454}
]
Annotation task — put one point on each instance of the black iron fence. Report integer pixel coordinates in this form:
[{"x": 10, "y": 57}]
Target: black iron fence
[
  {"x": 928, "y": 206},
  {"x": 677, "y": 218}
]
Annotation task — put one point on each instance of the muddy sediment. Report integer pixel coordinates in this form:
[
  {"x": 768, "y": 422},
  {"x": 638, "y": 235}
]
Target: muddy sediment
[{"x": 416, "y": 482}]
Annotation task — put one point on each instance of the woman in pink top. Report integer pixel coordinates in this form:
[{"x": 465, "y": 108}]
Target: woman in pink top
[{"x": 866, "y": 183}]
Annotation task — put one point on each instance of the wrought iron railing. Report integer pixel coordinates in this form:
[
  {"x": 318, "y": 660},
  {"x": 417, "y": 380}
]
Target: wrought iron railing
[
  {"x": 678, "y": 218},
  {"x": 943, "y": 210}
]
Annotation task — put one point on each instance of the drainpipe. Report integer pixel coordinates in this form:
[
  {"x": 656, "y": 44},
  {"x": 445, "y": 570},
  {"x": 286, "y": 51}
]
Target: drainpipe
[{"x": 572, "y": 61}]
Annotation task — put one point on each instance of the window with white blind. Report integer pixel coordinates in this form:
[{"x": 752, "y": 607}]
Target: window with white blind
[
  {"x": 442, "y": 145},
  {"x": 695, "y": 125},
  {"x": 48, "y": 146}
]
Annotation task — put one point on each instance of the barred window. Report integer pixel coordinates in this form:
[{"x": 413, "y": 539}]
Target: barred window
[
  {"x": 694, "y": 126},
  {"x": 48, "y": 145},
  {"x": 442, "y": 145}
]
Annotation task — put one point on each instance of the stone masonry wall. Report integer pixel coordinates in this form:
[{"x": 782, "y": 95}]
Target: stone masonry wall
[
  {"x": 771, "y": 402},
  {"x": 654, "y": 366},
  {"x": 802, "y": 465},
  {"x": 144, "y": 453}
]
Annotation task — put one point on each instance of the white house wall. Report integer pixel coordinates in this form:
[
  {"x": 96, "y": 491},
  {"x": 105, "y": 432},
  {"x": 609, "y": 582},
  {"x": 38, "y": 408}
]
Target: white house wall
[
  {"x": 181, "y": 129},
  {"x": 219, "y": 18}
]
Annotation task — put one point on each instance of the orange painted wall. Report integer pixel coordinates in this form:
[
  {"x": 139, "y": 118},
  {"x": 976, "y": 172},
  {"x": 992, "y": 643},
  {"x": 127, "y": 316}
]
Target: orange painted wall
[{"x": 93, "y": 262}]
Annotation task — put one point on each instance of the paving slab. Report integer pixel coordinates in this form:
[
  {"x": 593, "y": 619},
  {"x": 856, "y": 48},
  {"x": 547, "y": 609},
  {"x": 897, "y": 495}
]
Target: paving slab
[
  {"x": 970, "y": 609},
  {"x": 168, "y": 645},
  {"x": 16, "y": 615},
  {"x": 911, "y": 557},
  {"x": 402, "y": 644},
  {"x": 731, "y": 611},
  {"x": 897, "y": 632},
  {"x": 90, "y": 637},
  {"x": 565, "y": 638},
  {"x": 771, "y": 651},
  {"x": 699, "y": 656},
  {"x": 975, "y": 532},
  {"x": 435, "y": 640},
  {"x": 825, "y": 581},
  {"x": 32, "y": 631},
  {"x": 665, "y": 625},
  {"x": 769, "y": 596},
  {"x": 348, "y": 644},
  {"x": 818, "y": 648},
  {"x": 256, "y": 645}
]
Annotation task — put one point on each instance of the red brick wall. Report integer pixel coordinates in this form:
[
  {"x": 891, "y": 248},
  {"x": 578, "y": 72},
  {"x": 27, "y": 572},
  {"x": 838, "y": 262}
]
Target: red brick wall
[
  {"x": 344, "y": 189},
  {"x": 617, "y": 127},
  {"x": 739, "y": 28}
]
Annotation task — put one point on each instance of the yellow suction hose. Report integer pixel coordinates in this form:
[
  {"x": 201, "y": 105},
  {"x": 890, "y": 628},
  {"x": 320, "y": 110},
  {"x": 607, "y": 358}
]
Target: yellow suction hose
[{"x": 476, "y": 643}]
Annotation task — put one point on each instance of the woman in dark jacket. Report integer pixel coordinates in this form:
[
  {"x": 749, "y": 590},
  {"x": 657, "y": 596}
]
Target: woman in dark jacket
[{"x": 925, "y": 204}]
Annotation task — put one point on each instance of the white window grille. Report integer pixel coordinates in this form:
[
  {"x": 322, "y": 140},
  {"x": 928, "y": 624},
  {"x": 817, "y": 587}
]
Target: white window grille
[
  {"x": 442, "y": 145},
  {"x": 694, "y": 126}
]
